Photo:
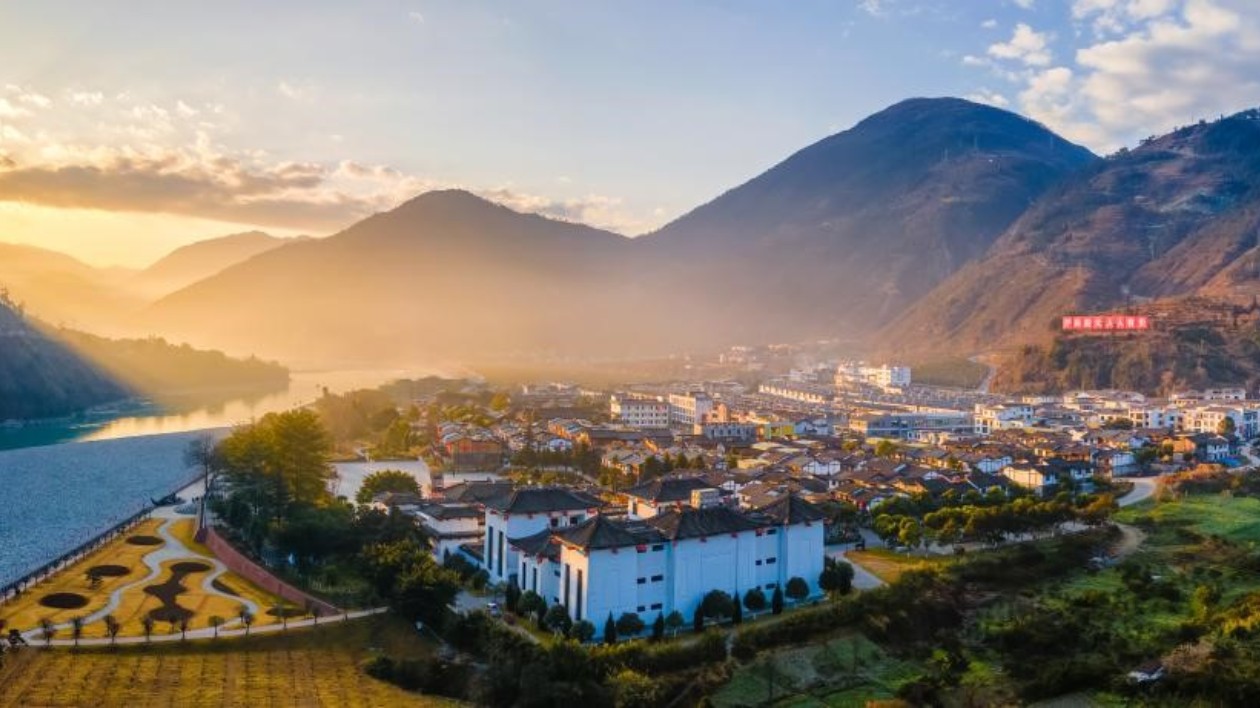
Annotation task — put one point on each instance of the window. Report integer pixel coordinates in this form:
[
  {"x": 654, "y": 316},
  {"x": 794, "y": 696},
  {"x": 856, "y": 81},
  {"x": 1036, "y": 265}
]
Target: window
[
  {"x": 557, "y": 572},
  {"x": 656, "y": 605},
  {"x": 758, "y": 562},
  {"x": 657, "y": 578},
  {"x": 642, "y": 581},
  {"x": 772, "y": 532},
  {"x": 641, "y": 608},
  {"x": 658, "y": 547},
  {"x": 575, "y": 519},
  {"x": 555, "y": 522},
  {"x": 771, "y": 561}
]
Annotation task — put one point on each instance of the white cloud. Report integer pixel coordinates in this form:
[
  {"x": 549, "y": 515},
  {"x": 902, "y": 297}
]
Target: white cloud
[
  {"x": 989, "y": 24},
  {"x": 86, "y": 98},
  {"x": 992, "y": 98},
  {"x": 1151, "y": 65},
  {"x": 1026, "y": 4},
  {"x": 9, "y": 109},
  {"x": 296, "y": 91},
  {"x": 874, "y": 8},
  {"x": 416, "y": 17},
  {"x": 1026, "y": 45}
]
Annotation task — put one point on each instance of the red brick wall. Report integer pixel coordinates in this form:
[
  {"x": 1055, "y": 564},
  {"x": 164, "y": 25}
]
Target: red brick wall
[{"x": 258, "y": 575}]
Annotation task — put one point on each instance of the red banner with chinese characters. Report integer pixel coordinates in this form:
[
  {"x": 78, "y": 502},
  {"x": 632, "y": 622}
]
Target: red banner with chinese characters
[{"x": 1106, "y": 323}]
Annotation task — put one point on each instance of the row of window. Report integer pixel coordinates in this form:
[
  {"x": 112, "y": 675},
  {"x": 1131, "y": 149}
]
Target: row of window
[
  {"x": 769, "y": 561},
  {"x": 655, "y": 579},
  {"x": 655, "y": 547},
  {"x": 645, "y": 608}
]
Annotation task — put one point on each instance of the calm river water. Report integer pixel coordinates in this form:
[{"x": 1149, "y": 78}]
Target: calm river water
[{"x": 62, "y": 483}]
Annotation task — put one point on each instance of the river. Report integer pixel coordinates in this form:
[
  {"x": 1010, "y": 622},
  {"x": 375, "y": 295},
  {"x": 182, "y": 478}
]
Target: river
[{"x": 63, "y": 482}]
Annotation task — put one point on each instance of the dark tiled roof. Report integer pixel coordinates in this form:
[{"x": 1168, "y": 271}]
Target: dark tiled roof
[
  {"x": 678, "y": 524},
  {"x": 539, "y": 544},
  {"x": 539, "y": 500},
  {"x": 600, "y": 532},
  {"x": 443, "y": 512},
  {"x": 791, "y": 509},
  {"x": 476, "y": 491},
  {"x": 668, "y": 489}
]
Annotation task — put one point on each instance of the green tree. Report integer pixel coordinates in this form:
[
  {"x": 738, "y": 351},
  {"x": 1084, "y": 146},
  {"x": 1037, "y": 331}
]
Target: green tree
[
  {"x": 737, "y": 611},
  {"x": 658, "y": 627},
  {"x": 112, "y": 628},
  {"x": 610, "y": 630},
  {"x": 776, "y": 601},
  {"x": 674, "y": 621},
  {"x": 797, "y": 589},
  {"x": 717, "y": 605},
  {"x": 836, "y": 577},
  {"x": 408, "y": 577},
  {"x": 1227, "y": 427},
  {"x": 500, "y": 401},
  {"x": 629, "y": 624},
  {"x": 582, "y": 631},
  {"x": 532, "y": 604},
  {"x": 886, "y": 448},
  {"x": 755, "y": 600},
  {"x": 557, "y": 619},
  {"x": 216, "y": 622}
]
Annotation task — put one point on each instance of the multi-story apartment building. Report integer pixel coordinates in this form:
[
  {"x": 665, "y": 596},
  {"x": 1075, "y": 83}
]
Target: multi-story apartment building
[
  {"x": 640, "y": 412},
  {"x": 1001, "y": 416},
  {"x": 911, "y": 425},
  {"x": 689, "y": 408}
]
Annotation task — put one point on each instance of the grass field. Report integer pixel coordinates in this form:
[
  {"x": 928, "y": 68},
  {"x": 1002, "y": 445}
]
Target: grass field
[
  {"x": 1234, "y": 518},
  {"x": 314, "y": 667},
  {"x": 888, "y": 565},
  {"x": 848, "y": 670},
  {"x": 26, "y": 612}
]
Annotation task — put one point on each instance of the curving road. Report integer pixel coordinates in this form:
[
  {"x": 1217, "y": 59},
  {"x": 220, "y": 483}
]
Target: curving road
[{"x": 1143, "y": 489}]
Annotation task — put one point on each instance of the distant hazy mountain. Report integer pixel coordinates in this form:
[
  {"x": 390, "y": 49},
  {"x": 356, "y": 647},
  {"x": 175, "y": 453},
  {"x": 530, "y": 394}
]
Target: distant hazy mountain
[
  {"x": 1177, "y": 216},
  {"x": 847, "y": 233},
  {"x": 446, "y": 274},
  {"x": 185, "y": 266},
  {"x": 57, "y": 288},
  {"x": 40, "y": 377}
]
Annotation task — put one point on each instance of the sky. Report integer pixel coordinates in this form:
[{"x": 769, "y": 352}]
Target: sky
[{"x": 130, "y": 128}]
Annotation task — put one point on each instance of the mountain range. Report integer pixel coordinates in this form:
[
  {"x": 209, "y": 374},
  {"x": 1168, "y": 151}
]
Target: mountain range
[{"x": 937, "y": 227}]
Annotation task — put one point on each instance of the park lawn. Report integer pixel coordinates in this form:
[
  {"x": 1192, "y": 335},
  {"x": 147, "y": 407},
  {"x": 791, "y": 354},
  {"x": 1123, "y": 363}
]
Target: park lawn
[
  {"x": 136, "y": 603},
  {"x": 1234, "y": 518},
  {"x": 888, "y": 565},
  {"x": 25, "y": 612},
  {"x": 185, "y": 530},
  {"x": 304, "y": 667},
  {"x": 844, "y": 670}
]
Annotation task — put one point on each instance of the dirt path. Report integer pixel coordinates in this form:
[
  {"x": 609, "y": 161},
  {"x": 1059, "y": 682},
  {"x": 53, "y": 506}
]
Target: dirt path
[{"x": 1131, "y": 539}]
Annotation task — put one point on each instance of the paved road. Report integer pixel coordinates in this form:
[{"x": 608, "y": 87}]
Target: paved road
[
  {"x": 208, "y": 633},
  {"x": 1143, "y": 489}
]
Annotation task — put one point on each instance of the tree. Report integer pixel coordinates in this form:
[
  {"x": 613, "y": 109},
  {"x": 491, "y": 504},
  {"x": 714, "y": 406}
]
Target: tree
[
  {"x": 776, "y": 601},
  {"x": 247, "y": 618},
  {"x": 500, "y": 401},
  {"x": 797, "y": 589},
  {"x": 698, "y": 621},
  {"x": 886, "y": 448},
  {"x": 112, "y": 627},
  {"x": 737, "y": 614},
  {"x": 216, "y": 622},
  {"x": 512, "y": 597},
  {"x": 184, "y": 621},
  {"x": 629, "y": 624},
  {"x": 717, "y": 605},
  {"x": 147, "y": 623},
  {"x": 558, "y": 620},
  {"x": 1227, "y": 427},
  {"x": 674, "y": 621},
  {"x": 76, "y": 629},
  {"x": 386, "y": 481},
  {"x": 582, "y": 631},
  {"x": 755, "y": 600},
  {"x": 836, "y": 577},
  {"x": 610, "y": 630},
  {"x": 408, "y": 577},
  {"x": 658, "y": 627},
  {"x": 47, "y": 630},
  {"x": 531, "y": 603}
]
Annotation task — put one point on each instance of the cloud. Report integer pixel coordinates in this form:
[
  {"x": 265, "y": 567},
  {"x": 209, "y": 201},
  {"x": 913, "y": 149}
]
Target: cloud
[
  {"x": 9, "y": 109},
  {"x": 1026, "y": 4},
  {"x": 1026, "y": 45},
  {"x": 992, "y": 98},
  {"x": 86, "y": 98},
  {"x": 989, "y": 24},
  {"x": 416, "y": 17},
  {"x": 874, "y": 8},
  {"x": 296, "y": 92},
  {"x": 1165, "y": 68}
]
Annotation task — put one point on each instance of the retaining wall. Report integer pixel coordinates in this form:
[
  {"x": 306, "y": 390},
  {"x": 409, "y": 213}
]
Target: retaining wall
[{"x": 250, "y": 570}]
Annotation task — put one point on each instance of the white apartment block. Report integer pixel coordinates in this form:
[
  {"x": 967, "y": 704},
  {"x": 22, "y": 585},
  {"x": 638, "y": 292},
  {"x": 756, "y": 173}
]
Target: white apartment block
[
  {"x": 884, "y": 376},
  {"x": 639, "y": 412},
  {"x": 669, "y": 562},
  {"x": 689, "y": 408},
  {"x": 1002, "y": 416},
  {"x": 1208, "y": 419},
  {"x": 799, "y": 393}
]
